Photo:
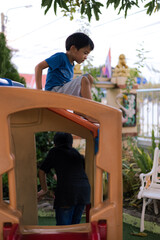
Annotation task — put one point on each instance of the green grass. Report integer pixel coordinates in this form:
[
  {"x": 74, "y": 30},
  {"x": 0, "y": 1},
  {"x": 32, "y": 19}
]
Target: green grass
[
  {"x": 46, "y": 221},
  {"x": 51, "y": 221},
  {"x": 129, "y": 229}
]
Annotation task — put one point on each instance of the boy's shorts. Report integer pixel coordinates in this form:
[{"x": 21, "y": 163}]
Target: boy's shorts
[{"x": 72, "y": 88}]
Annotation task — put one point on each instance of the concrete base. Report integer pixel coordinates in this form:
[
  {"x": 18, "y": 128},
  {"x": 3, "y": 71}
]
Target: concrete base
[{"x": 150, "y": 226}]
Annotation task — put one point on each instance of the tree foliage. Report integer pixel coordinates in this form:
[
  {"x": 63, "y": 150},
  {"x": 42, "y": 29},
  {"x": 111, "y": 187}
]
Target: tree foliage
[
  {"x": 44, "y": 142},
  {"x": 7, "y": 69},
  {"x": 93, "y": 7}
]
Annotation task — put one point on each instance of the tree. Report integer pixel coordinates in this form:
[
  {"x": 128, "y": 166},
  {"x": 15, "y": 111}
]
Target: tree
[
  {"x": 7, "y": 69},
  {"x": 88, "y": 7}
]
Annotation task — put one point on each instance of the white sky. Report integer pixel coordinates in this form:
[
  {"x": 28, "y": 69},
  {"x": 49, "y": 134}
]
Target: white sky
[{"x": 37, "y": 36}]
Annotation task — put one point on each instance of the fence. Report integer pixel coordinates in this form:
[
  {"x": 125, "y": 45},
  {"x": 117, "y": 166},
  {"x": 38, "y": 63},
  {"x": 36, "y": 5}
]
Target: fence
[{"x": 148, "y": 114}]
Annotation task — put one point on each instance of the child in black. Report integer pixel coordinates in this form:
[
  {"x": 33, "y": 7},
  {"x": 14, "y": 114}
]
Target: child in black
[{"x": 73, "y": 188}]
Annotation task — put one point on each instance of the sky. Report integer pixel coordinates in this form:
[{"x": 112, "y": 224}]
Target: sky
[{"x": 34, "y": 36}]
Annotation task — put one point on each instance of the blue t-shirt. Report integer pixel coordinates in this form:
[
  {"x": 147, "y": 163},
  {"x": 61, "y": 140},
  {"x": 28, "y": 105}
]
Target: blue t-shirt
[{"x": 60, "y": 70}]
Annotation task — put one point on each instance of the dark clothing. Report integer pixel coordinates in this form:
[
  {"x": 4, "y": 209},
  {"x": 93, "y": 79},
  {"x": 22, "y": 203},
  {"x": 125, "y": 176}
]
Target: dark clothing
[
  {"x": 70, "y": 215},
  {"x": 73, "y": 187}
]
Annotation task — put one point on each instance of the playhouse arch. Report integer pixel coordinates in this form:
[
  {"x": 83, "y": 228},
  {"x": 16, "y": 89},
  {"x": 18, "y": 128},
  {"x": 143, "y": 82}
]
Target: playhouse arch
[{"x": 24, "y": 125}]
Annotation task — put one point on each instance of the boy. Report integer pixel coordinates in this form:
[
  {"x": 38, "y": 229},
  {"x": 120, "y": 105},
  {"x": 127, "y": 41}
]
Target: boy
[
  {"x": 61, "y": 68},
  {"x": 73, "y": 188}
]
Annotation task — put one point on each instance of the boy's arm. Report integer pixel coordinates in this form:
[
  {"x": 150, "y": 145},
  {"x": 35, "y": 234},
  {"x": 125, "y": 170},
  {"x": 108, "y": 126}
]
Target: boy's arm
[
  {"x": 43, "y": 183},
  {"x": 38, "y": 73}
]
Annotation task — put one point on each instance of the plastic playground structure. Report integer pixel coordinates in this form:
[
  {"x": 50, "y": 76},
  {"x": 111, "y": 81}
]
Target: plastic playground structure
[{"x": 25, "y": 112}]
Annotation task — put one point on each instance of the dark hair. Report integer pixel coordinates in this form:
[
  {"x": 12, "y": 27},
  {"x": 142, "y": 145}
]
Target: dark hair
[
  {"x": 63, "y": 139},
  {"x": 79, "y": 40}
]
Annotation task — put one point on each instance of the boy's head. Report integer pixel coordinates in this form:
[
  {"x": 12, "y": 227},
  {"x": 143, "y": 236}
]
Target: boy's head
[
  {"x": 79, "y": 40},
  {"x": 62, "y": 139}
]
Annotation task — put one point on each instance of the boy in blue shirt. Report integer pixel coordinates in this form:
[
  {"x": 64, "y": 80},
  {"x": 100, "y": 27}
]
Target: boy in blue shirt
[{"x": 61, "y": 68}]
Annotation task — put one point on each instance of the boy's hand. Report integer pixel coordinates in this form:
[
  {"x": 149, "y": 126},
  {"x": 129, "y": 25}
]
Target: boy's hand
[{"x": 41, "y": 193}]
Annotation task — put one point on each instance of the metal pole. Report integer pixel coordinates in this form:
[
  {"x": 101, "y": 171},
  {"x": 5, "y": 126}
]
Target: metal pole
[{"x": 2, "y": 23}]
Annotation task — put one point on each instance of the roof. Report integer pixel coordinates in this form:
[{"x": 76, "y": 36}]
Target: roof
[{"x": 30, "y": 80}]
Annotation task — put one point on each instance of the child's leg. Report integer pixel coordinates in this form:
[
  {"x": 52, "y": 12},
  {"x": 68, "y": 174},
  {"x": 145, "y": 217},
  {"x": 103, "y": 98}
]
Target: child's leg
[
  {"x": 80, "y": 87},
  {"x": 86, "y": 84}
]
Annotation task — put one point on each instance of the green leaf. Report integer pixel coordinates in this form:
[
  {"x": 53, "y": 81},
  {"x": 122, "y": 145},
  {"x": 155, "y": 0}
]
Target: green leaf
[
  {"x": 64, "y": 5},
  {"x": 98, "y": 4},
  {"x": 47, "y": 4},
  {"x": 82, "y": 8},
  {"x": 55, "y": 7},
  {"x": 88, "y": 11},
  {"x": 96, "y": 13},
  {"x": 109, "y": 2},
  {"x": 116, "y": 4},
  {"x": 150, "y": 6},
  {"x": 135, "y": 3}
]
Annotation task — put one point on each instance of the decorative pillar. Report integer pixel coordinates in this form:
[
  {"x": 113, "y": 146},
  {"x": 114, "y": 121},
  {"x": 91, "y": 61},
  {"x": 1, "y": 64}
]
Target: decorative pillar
[{"x": 123, "y": 96}]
